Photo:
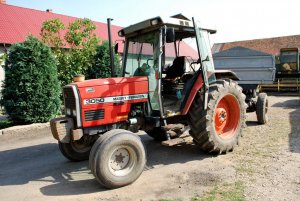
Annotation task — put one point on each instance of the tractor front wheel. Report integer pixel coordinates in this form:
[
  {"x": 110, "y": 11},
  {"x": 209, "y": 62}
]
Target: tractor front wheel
[
  {"x": 119, "y": 159},
  {"x": 75, "y": 150},
  {"x": 219, "y": 127}
]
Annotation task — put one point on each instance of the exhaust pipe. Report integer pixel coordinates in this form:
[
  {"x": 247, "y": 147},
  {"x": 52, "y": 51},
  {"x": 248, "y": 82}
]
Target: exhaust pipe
[{"x": 112, "y": 56}]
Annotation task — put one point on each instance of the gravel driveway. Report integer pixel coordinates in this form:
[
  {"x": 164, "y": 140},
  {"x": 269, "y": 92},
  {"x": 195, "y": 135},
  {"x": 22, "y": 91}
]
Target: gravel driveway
[{"x": 266, "y": 166}]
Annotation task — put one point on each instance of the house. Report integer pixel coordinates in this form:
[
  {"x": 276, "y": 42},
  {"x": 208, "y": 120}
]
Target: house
[
  {"x": 266, "y": 45},
  {"x": 16, "y": 23}
]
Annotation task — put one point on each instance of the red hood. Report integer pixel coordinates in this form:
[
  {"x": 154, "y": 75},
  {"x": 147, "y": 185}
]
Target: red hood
[{"x": 110, "y": 81}]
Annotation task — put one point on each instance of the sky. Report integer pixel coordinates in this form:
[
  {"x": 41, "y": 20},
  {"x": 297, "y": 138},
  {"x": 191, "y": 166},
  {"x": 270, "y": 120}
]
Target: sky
[{"x": 234, "y": 20}]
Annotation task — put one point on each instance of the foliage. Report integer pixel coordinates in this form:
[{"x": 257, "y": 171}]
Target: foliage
[
  {"x": 31, "y": 88},
  {"x": 2, "y": 58},
  {"x": 81, "y": 39},
  {"x": 51, "y": 33},
  {"x": 5, "y": 124},
  {"x": 101, "y": 64}
]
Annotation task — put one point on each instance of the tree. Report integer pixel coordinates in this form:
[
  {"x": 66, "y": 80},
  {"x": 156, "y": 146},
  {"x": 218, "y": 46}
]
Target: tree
[
  {"x": 81, "y": 39},
  {"x": 52, "y": 33},
  {"x": 31, "y": 88},
  {"x": 101, "y": 64}
]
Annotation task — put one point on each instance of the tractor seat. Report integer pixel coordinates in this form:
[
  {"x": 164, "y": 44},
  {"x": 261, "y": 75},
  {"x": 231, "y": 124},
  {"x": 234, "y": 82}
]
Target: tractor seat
[{"x": 177, "y": 69}]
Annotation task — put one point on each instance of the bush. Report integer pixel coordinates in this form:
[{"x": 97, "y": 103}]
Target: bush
[
  {"x": 31, "y": 88},
  {"x": 80, "y": 37},
  {"x": 101, "y": 64}
]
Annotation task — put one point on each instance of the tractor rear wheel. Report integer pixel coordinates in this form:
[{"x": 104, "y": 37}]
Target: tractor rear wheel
[
  {"x": 119, "y": 159},
  {"x": 77, "y": 150},
  {"x": 219, "y": 127},
  {"x": 262, "y": 108}
]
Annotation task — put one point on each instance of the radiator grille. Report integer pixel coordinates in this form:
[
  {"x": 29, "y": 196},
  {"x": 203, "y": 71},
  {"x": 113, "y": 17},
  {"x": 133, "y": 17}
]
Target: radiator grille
[
  {"x": 69, "y": 98},
  {"x": 92, "y": 115}
]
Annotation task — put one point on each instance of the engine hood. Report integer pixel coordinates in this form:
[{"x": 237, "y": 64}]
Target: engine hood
[{"x": 110, "y": 81}]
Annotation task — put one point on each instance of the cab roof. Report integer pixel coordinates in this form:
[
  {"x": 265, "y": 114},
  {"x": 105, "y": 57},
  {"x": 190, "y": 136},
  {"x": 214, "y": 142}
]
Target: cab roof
[{"x": 176, "y": 21}]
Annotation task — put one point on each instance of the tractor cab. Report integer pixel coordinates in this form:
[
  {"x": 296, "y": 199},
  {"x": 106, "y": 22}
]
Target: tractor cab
[{"x": 172, "y": 53}]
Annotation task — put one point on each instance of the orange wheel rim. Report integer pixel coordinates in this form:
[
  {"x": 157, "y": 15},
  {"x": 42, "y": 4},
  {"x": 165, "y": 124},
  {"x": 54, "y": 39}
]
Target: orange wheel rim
[{"x": 227, "y": 117}]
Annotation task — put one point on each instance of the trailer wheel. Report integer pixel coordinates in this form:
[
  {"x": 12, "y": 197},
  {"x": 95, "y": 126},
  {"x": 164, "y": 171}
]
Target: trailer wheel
[
  {"x": 119, "y": 160},
  {"x": 77, "y": 150},
  {"x": 158, "y": 134},
  {"x": 219, "y": 127},
  {"x": 98, "y": 143},
  {"x": 262, "y": 108}
]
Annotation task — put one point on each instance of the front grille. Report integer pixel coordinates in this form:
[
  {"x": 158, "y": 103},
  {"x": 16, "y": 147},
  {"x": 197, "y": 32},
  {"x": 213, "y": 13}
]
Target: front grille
[
  {"x": 92, "y": 115},
  {"x": 69, "y": 97}
]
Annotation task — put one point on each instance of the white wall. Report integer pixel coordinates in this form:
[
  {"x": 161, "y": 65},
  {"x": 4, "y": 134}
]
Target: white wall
[{"x": 1, "y": 69}]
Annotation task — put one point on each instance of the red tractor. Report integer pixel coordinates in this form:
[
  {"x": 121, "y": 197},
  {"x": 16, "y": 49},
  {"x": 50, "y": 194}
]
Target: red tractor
[{"x": 168, "y": 86}]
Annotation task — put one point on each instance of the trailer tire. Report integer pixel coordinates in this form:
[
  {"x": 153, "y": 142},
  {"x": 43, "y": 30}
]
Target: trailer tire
[
  {"x": 75, "y": 150},
  {"x": 262, "y": 108},
  {"x": 119, "y": 160},
  {"x": 219, "y": 128}
]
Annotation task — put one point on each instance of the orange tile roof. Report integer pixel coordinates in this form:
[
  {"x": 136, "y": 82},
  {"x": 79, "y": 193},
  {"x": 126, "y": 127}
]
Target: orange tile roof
[
  {"x": 267, "y": 45},
  {"x": 16, "y": 23}
]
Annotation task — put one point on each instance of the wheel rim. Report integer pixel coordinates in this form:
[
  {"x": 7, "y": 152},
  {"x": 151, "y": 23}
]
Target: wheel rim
[
  {"x": 227, "y": 117},
  {"x": 122, "y": 161},
  {"x": 80, "y": 146}
]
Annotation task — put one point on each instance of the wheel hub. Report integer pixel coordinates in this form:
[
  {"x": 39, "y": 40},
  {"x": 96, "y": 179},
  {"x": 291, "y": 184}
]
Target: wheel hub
[
  {"x": 227, "y": 116},
  {"x": 222, "y": 115},
  {"x": 119, "y": 159}
]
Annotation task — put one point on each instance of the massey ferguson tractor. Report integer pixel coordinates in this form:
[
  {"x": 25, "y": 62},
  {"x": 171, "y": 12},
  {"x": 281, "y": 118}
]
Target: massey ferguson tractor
[{"x": 168, "y": 86}]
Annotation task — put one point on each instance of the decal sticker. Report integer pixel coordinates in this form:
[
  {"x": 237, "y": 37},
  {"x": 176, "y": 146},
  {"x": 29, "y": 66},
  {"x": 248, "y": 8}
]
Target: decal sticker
[
  {"x": 91, "y": 89},
  {"x": 114, "y": 99}
]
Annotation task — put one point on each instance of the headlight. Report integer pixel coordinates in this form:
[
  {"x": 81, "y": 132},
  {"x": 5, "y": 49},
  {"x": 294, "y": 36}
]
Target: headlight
[
  {"x": 74, "y": 113},
  {"x": 154, "y": 22},
  {"x": 68, "y": 111}
]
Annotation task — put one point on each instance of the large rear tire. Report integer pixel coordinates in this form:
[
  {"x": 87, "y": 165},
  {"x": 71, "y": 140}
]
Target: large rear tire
[
  {"x": 219, "y": 127},
  {"x": 262, "y": 108},
  {"x": 75, "y": 150},
  {"x": 119, "y": 159}
]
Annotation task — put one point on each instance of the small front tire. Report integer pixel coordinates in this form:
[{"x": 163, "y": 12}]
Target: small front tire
[
  {"x": 119, "y": 160},
  {"x": 75, "y": 150}
]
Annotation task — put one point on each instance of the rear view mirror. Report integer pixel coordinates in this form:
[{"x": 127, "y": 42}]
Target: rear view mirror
[
  {"x": 170, "y": 35},
  {"x": 116, "y": 48}
]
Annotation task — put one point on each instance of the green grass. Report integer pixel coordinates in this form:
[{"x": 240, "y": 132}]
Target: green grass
[
  {"x": 6, "y": 124},
  {"x": 224, "y": 192}
]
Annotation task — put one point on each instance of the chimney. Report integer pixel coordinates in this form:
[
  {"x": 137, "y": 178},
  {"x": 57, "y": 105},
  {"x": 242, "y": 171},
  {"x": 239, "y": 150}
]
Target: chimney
[
  {"x": 2, "y": 1},
  {"x": 49, "y": 10}
]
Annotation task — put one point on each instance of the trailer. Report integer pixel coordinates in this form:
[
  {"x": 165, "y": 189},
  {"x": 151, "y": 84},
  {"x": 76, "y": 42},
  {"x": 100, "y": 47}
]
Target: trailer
[{"x": 253, "y": 68}]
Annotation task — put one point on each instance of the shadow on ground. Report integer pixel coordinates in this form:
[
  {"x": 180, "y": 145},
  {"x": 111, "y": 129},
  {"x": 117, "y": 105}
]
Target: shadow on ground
[
  {"x": 44, "y": 163},
  {"x": 294, "y": 119}
]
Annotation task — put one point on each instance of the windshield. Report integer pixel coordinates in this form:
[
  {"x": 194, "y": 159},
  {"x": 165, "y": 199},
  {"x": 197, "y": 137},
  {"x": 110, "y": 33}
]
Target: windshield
[
  {"x": 142, "y": 59},
  {"x": 142, "y": 55},
  {"x": 287, "y": 57}
]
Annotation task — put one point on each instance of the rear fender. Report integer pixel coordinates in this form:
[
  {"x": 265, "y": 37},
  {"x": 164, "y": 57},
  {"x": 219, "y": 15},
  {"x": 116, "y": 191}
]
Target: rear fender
[{"x": 195, "y": 89}]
